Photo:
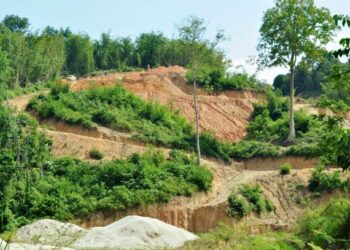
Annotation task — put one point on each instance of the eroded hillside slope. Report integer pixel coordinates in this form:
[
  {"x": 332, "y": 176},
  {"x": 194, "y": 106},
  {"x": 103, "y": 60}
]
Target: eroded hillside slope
[{"x": 226, "y": 114}]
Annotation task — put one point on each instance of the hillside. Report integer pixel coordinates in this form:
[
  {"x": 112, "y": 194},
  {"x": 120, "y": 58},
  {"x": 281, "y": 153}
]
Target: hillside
[{"x": 225, "y": 114}]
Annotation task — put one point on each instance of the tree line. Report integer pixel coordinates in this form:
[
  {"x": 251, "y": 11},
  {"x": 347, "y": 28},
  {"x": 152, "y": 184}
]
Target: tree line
[{"x": 29, "y": 57}]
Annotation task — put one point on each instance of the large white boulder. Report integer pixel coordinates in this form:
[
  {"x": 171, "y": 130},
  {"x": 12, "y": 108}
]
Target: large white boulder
[{"x": 134, "y": 232}]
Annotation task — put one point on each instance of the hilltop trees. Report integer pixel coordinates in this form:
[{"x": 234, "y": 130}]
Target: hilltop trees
[
  {"x": 291, "y": 29},
  {"x": 79, "y": 50}
]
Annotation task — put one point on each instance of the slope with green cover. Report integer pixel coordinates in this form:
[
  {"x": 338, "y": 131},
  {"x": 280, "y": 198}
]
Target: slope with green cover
[
  {"x": 35, "y": 185},
  {"x": 120, "y": 110}
]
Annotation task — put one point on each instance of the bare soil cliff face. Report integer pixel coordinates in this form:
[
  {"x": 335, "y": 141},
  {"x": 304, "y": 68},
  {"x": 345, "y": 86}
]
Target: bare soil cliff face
[{"x": 225, "y": 114}]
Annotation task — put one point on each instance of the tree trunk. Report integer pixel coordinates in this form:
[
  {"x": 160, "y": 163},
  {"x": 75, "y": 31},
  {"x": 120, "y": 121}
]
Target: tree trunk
[
  {"x": 291, "y": 136},
  {"x": 196, "y": 111}
]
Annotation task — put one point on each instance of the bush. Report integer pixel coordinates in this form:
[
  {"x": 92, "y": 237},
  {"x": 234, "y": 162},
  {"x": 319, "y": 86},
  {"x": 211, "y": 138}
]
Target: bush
[
  {"x": 215, "y": 79},
  {"x": 250, "y": 149},
  {"x": 67, "y": 188},
  {"x": 96, "y": 154},
  {"x": 304, "y": 149},
  {"x": 285, "y": 169},
  {"x": 328, "y": 226},
  {"x": 248, "y": 199},
  {"x": 322, "y": 181}
]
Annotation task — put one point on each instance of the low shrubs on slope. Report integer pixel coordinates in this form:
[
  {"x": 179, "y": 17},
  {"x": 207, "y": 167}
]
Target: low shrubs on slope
[
  {"x": 120, "y": 110},
  {"x": 328, "y": 226},
  {"x": 69, "y": 188},
  {"x": 269, "y": 126},
  {"x": 247, "y": 199},
  {"x": 35, "y": 185}
]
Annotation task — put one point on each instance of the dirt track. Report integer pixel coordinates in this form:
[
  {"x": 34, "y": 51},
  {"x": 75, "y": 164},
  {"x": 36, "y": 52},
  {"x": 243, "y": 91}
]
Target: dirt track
[{"x": 202, "y": 211}]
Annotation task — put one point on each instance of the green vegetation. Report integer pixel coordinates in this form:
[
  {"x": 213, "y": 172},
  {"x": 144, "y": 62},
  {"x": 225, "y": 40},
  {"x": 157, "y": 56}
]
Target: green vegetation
[
  {"x": 215, "y": 79},
  {"x": 251, "y": 149},
  {"x": 306, "y": 30},
  {"x": 327, "y": 226},
  {"x": 322, "y": 181},
  {"x": 226, "y": 237},
  {"x": 247, "y": 199},
  {"x": 337, "y": 89},
  {"x": 310, "y": 75},
  {"x": 285, "y": 169},
  {"x": 268, "y": 130},
  {"x": 117, "y": 109},
  {"x": 96, "y": 154},
  {"x": 34, "y": 185},
  {"x": 28, "y": 57}
]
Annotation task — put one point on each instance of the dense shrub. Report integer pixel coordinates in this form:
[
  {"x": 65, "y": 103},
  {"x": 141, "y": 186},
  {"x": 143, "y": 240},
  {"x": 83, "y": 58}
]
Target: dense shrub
[
  {"x": 285, "y": 169},
  {"x": 321, "y": 180},
  {"x": 250, "y": 149},
  {"x": 69, "y": 188},
  {"x": 96, "y": 154},
  {"x": 304, "y": 149},
  {"x": 217, "y": 80},
  {"x": 248, "y": 199},
  {"x": 328, "y": 226}
]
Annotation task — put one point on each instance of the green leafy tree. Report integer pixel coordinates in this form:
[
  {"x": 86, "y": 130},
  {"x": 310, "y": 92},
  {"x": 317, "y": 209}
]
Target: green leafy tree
[
  {"x": 290, "y": 30},
  {"x": 343, "y": 150},
  {"x": 192, "y": 32},
  {"x": 46, "y": 59},
  {"x": 5, "y": 71},
  {"x": 14, "y": 44},
  {"x": 80, "y": 58},
  {"x": 149, "y": 47},
  {"x": 343, "y": 20},
  {"x": 16, "y": 23}
]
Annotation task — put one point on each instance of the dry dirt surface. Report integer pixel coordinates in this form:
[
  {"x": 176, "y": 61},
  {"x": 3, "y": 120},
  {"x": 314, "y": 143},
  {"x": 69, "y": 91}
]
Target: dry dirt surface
[{"x": 226, "y": 114}]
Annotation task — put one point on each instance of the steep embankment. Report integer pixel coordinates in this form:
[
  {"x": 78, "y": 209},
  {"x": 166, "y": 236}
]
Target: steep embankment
[
  {"x": 225, "y": 114},
  {"x": 202, "y": 211}
]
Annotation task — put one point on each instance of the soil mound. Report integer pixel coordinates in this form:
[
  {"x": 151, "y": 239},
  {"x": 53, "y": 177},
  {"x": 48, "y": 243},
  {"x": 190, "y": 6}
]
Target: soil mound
[{"x": 132, "y": 232}]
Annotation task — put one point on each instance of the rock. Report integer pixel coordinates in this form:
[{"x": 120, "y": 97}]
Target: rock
[
  {"x": 48, "y": 232},
  {"x": 134, "y": 232},
  {"x": 2, "y": 244}
]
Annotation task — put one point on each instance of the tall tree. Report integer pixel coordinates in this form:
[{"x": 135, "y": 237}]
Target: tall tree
[
  {"x": 16, "y": 23},
  {"x": 149, "y": 47},
  {"x": 290, "y": 30},
  {"x": 192, "y": 32},
  {"x": 80, "y": 58}
]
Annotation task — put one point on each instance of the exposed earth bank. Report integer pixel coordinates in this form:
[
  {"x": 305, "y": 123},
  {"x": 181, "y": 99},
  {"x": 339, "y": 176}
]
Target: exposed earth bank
[{"x": 225, "y": 114}]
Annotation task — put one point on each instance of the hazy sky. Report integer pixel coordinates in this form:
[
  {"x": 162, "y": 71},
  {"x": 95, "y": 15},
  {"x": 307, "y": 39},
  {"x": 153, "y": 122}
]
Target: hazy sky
[{"x": 241, "y": 20}]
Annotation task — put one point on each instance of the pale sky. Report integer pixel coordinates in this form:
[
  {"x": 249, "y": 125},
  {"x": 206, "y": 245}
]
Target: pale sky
[{"x": 241, "y": 20}]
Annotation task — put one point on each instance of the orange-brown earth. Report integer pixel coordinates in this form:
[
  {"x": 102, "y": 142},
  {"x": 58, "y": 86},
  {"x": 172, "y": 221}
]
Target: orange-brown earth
[{"x": 225, "y": 114}]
